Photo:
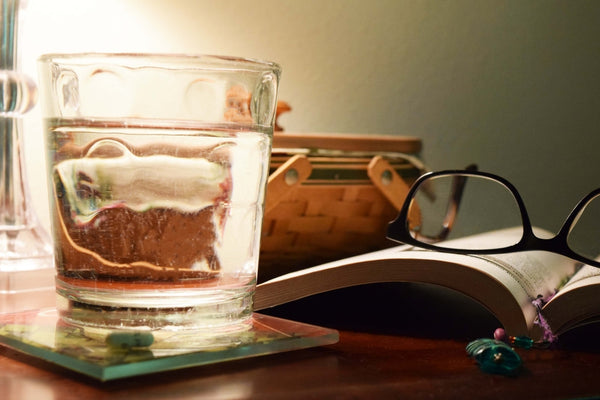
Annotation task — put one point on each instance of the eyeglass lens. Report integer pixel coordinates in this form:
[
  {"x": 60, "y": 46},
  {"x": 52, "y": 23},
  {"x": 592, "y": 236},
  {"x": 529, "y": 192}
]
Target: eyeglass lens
[
  {"x": 584, "y": 237},
  {"x": 485, "y": 205}
]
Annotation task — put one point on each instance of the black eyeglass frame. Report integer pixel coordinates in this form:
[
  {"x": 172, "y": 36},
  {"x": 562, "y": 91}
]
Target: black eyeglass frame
[{"x": 398, "y": 230}]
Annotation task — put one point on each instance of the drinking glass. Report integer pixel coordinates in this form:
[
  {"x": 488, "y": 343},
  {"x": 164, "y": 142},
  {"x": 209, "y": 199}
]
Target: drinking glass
[{"x": 157, "y": 171}]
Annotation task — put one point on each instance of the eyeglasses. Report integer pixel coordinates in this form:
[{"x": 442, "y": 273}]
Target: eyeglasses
[{"x": 489, "y": 202}]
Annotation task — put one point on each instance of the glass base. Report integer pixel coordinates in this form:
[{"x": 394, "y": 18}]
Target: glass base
[
  {"x": 25, "y": 288},
  {"x": 111, "y": 354},
  {"x": 26, "y": 268},
  {"x": 220, "y": 308}
]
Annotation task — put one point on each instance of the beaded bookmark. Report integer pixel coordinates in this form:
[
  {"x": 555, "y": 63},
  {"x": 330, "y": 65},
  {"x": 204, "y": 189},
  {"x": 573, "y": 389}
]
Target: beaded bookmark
[{"x": 497, "y": 355}]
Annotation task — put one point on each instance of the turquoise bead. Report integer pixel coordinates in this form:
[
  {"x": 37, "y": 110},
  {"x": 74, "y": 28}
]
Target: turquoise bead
[
  {"x": 523, "y": 342},
  {"x": 494, "y": 357},
  {"x": 127, "y": 340}
]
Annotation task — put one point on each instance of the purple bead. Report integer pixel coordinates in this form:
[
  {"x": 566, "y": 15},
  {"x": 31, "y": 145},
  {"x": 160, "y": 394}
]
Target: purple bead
[{"x": 500, "y": 334}]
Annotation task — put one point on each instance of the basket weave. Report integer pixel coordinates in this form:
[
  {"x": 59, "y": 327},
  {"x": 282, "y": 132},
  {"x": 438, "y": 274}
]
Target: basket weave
[{"x": 338, "y": 210}]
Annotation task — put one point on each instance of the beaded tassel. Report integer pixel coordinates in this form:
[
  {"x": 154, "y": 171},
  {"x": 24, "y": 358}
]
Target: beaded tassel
[{"x": 523, "y": 342}]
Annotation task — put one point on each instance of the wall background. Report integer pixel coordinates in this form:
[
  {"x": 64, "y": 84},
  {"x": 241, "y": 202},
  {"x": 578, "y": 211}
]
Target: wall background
[{"x": 509, "y": 84}]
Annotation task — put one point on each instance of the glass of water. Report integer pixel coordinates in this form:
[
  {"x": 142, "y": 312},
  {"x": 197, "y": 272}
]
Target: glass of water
[{"x": 157, "y": 171}]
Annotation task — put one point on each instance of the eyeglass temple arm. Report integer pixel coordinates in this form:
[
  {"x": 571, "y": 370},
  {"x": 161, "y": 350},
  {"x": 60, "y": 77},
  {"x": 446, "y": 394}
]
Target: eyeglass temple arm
[{"x": 458, "y": 188}]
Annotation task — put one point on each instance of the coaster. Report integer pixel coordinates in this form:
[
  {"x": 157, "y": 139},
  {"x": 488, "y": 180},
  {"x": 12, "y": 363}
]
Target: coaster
[{"x": 107, "y": 355}]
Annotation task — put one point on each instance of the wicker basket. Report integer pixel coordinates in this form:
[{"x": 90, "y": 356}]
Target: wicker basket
[{"x": 335, "y": 200}]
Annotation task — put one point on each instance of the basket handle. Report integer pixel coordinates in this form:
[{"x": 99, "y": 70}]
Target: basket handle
[
  {"x": 290, "y": 174},
  {"x": 391, "y": 185}
]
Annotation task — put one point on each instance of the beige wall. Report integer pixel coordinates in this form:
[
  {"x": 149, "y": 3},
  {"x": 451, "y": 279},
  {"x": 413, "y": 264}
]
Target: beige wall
[{"x": 511, "y": 85}]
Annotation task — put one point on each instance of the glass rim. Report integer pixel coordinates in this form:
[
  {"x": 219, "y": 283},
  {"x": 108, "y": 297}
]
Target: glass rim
[{"x": 172, "y": 60}]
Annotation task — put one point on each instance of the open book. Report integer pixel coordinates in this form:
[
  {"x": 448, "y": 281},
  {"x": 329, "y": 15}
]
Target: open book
[{"x": 506, "y": 284}]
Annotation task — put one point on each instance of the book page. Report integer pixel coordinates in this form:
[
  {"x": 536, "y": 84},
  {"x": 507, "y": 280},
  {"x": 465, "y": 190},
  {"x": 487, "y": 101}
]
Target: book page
[
  {"x": 587, "y": 275},
  {"x": 540, "y": 273},
  {"x": 505, "y": 284},
  {"x": 577, "y": 303}
]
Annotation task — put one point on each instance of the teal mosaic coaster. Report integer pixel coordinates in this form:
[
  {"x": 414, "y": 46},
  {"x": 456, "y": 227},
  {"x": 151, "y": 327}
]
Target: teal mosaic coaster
[{"x": 107, "y": 355}]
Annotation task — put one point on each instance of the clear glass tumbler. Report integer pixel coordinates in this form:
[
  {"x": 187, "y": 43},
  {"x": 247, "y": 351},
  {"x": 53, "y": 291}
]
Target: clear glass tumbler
[{"x": 158, "y": 167}]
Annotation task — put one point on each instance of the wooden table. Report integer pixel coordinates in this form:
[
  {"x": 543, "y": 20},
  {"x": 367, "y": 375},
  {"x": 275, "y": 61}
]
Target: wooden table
[{"x": 421, "y": 357}]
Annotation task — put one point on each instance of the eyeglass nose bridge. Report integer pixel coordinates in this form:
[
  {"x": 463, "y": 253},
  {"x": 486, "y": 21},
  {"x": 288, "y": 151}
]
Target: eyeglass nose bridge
[{"x": 554, "y": 244}]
